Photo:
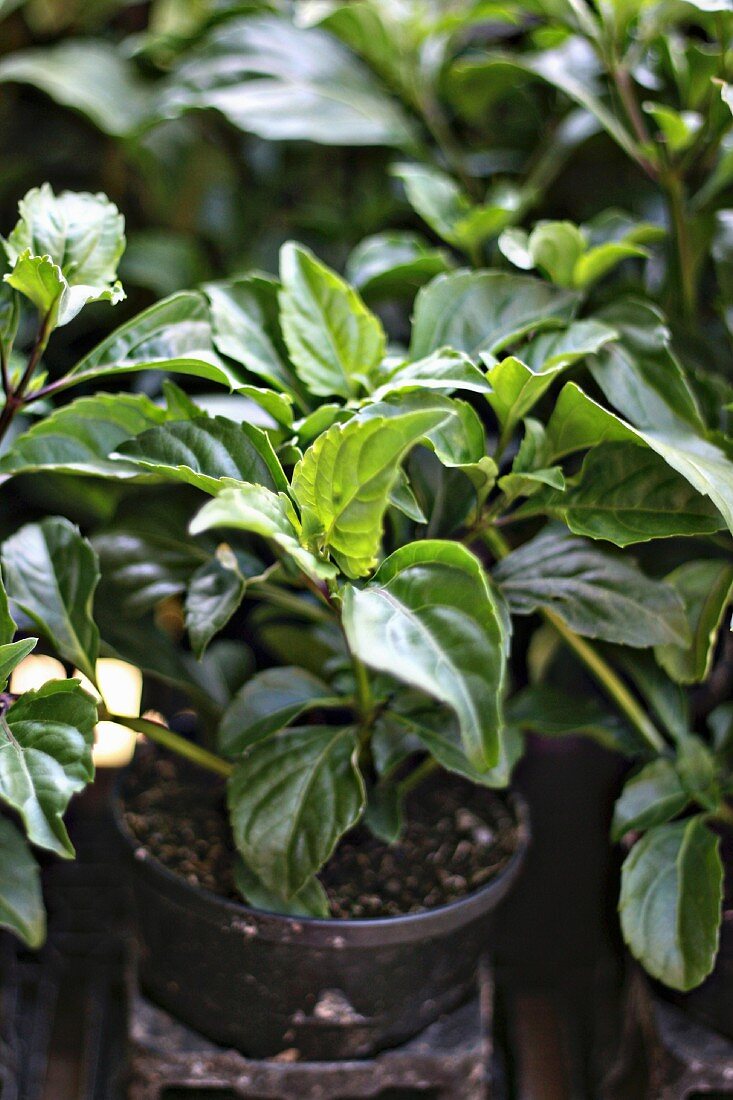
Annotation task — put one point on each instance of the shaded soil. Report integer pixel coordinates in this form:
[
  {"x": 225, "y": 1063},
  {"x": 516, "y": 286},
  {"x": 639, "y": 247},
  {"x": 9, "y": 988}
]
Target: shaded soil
[{"x": 457, "y": 838}]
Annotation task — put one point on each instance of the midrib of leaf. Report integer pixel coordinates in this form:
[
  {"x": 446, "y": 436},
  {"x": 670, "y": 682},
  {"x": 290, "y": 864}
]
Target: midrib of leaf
[{"x": 322, "y": 756}]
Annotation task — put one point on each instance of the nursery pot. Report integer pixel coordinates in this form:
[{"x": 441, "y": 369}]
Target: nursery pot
[{"x": 264, "y": 983}]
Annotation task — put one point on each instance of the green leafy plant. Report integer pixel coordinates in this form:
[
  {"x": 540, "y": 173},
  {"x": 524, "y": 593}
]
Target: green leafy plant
[{"x": 378, "y": 520}]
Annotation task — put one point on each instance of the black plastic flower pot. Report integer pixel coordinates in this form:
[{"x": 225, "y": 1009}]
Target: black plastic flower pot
[{"x": 264, "y": 983}]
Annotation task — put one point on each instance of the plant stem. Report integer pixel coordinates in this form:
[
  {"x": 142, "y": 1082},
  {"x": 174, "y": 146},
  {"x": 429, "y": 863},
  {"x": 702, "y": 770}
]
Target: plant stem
[
  {"x": 679, "y": 219},
  {"x": 364, "y": 699},
  {"x": 418, "y": 775},
  {"x": 605, "y": 675},
  {"x": 180, "y": 745},
  {"x": 724, "y": 813},
  {"x": 14, "y": 398}
]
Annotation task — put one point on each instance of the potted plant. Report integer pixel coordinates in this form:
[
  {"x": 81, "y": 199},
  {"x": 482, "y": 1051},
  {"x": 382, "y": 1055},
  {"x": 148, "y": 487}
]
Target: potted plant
[{"x": 358, "y": 523}]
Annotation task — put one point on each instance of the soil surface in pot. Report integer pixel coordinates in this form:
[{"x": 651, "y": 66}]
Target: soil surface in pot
[{"x": 458, "y": 837}]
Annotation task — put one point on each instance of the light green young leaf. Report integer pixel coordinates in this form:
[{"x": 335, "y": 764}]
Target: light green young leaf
[
  {"x": 291, "y": 798},
  {"x": 78, "y": 437},
  {"x": 51, "y": 573},
  {"x": 706, "y": 588},
  {"x": 652, "y": 796},
  {"x": 430, "y": 618},
  {"x": 553, "y": 350},
  {"x": 65, "y": 250},
  {"x": 46, "y": 740},
  {"x": 21, "y": 900},
  {"x": 598, "y": 594},
  {"x": 626, "y": 495},
  {"x": 555, "y": 248},
  {"x": 344, "y": 481},
  {"x": 336, "y": 344},
  {"x": 270, "y": 701},
  {"x": 475, "y": 311},
  {"x": 310, "y": 901},
  {"x": 272, "y": 516},
  {"x": 671, "y": 891},
  {"x": 205, "y": 451}
]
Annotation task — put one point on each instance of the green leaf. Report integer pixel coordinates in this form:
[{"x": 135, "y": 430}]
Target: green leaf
[
  {"x": 449, "y": 211},
  {"x": 334, "y": 341},
  {"x": 440, "y": 735},
  {"x": 626, "y": 495},
  {"x": 551, "y": 712},
  {"x": 204, "y": 451},
  {"x": 78, "y": 438},
  {"x": 598, "y": 261},
  {"x": 677, "y": 128},
  {"x": 555, "y": 247},
  {"x": 706, "y": 588},
  {"x": 291, "y": 799},
  {"x": 284, "y": 83},
  {"x": 21, "y": 900},
  {"x": 554, "y": 350},
  {"x": 394, "y": 264},
  {"x": 11, "y": 655},
  {"x": 310, "y": 901},
  {"x": 91, "y": 76},
  {"x": 445, "y": 370},
  {"x": 598, "y": 594},
  {"x": 384, "y": 815},
  {"x": 652, "y": 796},
  {"x": 65, "y": 250},
  {"x": 475, "y": 311},
  {"x": 51, "y": 573},
  {"x": 215, "y": 591},
  {"x": 430, "y": 618},
  {"x": 173, "y": 335},
  {"x": 578, "y": 423},
  {"x": 46, "y": 738},
  {"x": 671, "y": 891},
  {"x": 244, "y": 325},
  {"x": 344, "y": 481},
  {"x": 270, "y": 701},
  {"x": 272, "y": 516}
]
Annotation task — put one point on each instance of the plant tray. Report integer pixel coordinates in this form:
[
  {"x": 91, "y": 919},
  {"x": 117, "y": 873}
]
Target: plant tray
[
  {"x": 451, "y": 1060},
  {"x": 689, "y": 1059}
]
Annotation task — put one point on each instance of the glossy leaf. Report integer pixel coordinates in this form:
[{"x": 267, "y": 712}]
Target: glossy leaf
[
  {"x": 204, "y": 451},
  {"x": 652, "y": 796},
  {"x": 291, "y": 799},
  {"x": 270, "y": 701},
  {"x": 626, "y": 494},
  {"x": 445, "y": 370},
  {"x": 394, "y": 264},
  {"x": 598, "y": 594},
  {"x": 272, "y": 516},
  {"x": 46, "y": 738},
  {"x": 475, "y": 311},
  {"x": 671, "y": 890},
  {"x": 79, "y": 437},
  {"x": 215, "y": 591},
  {"x": 344, "y": 481},
  {"x": 310, "y": 901},
  {"x": 429, "y": 617},
  {"x": 284, "y": 82},
  {"x": 51, "y": 573},
  {"x": 706, "y": 588},
  {"x": 21, "y": 900},
  {"x": 334, "y": 341}
]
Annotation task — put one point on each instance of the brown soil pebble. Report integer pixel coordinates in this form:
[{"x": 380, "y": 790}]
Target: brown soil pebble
[{"x": 457, "y": 838}]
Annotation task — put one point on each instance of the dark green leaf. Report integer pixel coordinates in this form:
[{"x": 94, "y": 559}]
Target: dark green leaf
[
  {"x": 291, "y": 799},
  {"x": 653, "y": 796},
  {"x": 46, "y": 738},
  {"x": 270, "y": 701},
  {"x": 310, "y": 901},
  {"x": 430, "y": 618},
  {"x": 671, "y": 890},
  {"x": 21, "y": 900},
  {"x": 394, "y": 264},
  {"x": 706, "y": 588}
]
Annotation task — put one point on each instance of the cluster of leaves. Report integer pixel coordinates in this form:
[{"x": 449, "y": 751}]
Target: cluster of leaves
[
  {"x": 582, "y": 423},
  {"x": 362, "y": 490}
]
